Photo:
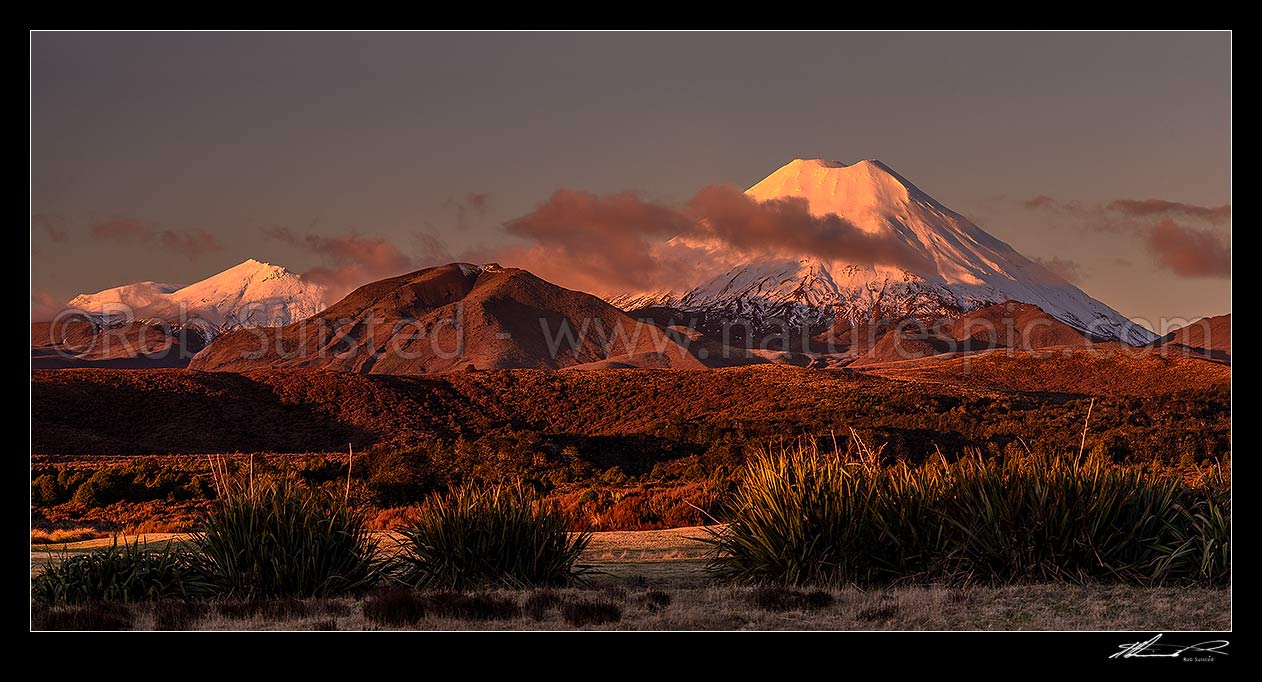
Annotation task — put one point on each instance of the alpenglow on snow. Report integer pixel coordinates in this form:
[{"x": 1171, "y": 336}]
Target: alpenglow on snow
[
  {"x": 251, "y": 294},
  {"x": 969, "y": 268}
]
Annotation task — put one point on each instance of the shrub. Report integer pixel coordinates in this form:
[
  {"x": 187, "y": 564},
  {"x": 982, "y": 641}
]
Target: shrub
[
  {"x": 45, "y": 491},
  {"x": 819, "y": 599},
  {"x": 88, "y": 616},
  {"x": 58, "y": 536},
  {"x": 472, "y": 606},
  {"x": 500, "y": 536},
  {"x": 1199, "y": 545},
  {"x": 539, "y": 602},
  {"x": 585, "y": 612},
  {"x": 1044, "y": 518},
  {"x": 779, "y": 598},
  {"x": 803, "y": 517},
  {"x": 398, "y": 477},
  {"x": 279, "y": 540},
  {"x": 105, "y": 486},
  {"x": 653, "y": 600},
  {"x": 178, "y": 615},
  {"x": 395, "y": 607},
  {"x": 121, "y": 573},
  {"x": 274, "y": 608}
]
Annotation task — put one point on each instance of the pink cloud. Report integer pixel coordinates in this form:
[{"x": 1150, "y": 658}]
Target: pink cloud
[
  {"x": 44, "y": 306},
  {"x": 1145, "y": 208},
  {"x": 122, "y": 231},
  {"x": 1189, "y": 252},
  {"x": 1158, "y": 224},
  {"x": 350, "y": 260},
  {"x": 190, "y": 243},
  {"x": 600, "y": 243},
  {"x": 1068, "y": 269},
  {"x": 1040, "y": 201}
]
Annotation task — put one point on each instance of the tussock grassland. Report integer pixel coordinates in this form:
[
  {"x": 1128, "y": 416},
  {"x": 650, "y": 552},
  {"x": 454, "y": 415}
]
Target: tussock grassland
[
  {"x": 1017, "y": 607},
  {"x": 804, "y": 516}
]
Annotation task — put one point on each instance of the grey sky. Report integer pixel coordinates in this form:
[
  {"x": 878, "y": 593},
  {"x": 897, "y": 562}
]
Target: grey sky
[{"x": 381, "y": 133}]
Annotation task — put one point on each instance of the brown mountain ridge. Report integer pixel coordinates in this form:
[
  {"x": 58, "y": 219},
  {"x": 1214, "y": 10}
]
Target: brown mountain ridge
[{"x": 454, "y": 317}]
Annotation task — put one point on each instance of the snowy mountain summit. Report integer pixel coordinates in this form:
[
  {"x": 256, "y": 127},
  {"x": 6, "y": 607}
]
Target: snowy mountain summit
[
  {"x": 252, "y": 294},
  {"x": 966, "y": 268}
]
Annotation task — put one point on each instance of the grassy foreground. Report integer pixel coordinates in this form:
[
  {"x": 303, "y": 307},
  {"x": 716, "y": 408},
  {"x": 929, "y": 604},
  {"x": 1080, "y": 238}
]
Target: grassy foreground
[
  {"x": 1028, "y": 607},
  {"x": 633, "y": 569}
]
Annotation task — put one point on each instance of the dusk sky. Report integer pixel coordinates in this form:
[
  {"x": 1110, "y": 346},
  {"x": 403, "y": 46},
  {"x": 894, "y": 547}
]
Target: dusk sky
[{"x": 171, "y": 157}]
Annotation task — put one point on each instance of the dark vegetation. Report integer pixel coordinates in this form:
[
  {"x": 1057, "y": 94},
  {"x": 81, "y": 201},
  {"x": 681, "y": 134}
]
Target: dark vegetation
[
  {"x": 267, "y": 546},
  {"x": 653, "y": 600},
  {"x": 575, "y": 426},
  {"x": 539, "y": 603},
  {"x": 120, "y": 573},
  {"x": 799, "y": 517},
  {"x": 781, "y": 598},
  {"x": 802, "y": 516},
  {"x": 642, "y": 458},
  {"x": 953, "y": 493},
  {"x": 86, "y": 616},
  {"x": 279, "y": 540},
  {"x": 498, "y": 536},
  {"x": 179, "y": 614},
  {"x": 590, "y": 612}
]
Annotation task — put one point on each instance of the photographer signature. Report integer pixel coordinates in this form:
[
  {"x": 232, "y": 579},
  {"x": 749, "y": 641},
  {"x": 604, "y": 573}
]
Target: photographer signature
[{"x": 1154, "y": 649}]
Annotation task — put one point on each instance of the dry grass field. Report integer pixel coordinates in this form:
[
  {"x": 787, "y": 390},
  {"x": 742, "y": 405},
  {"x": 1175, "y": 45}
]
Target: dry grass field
[{"x": 655, "y": 580}]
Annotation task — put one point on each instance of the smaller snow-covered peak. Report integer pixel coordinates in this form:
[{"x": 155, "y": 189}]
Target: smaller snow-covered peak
[
  {"x": 136, "y": 295},
  {"x": 250, "y": 294},
  {"x": 250, "y": 267}
]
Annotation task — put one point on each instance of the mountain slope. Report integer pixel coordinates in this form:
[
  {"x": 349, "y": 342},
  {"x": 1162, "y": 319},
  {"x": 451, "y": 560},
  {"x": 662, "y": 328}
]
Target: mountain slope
[
  {"x": 1013, "y": 325},
  {"x": 251, "y": 294},
  {"x": 970, "y": 268},
  {"x": 451, "y": 317},
  {"x": 82, "y": 342},
  {"x": 1207, "y": 333}
]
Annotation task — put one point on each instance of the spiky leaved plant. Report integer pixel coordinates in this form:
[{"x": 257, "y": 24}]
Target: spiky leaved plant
[
  {"x": 497, "y": 536},
  {"x": 267, "y": 539},
  {"x": 122, "y": 572},
  {"x": 802, "y": 516}
]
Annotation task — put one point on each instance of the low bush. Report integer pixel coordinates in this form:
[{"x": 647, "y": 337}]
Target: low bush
[
  {"x": 653, "y": 600},
  {"x": 120, "y": 573},
  {"x": 589, "y": 612},
  {"x": 501, "y": 536},
  {"x": 806, "y": 517},
  {"x": 178, "y": 615},
  {"x": 395, "y": 607},
  {"x": 779, "y": 598},
  {"x": 401, "y": 607},
  {"x": 58, "y": 536},
  {"x": 476, "y": 606},
  {"x": 87, "y": 616},
  {"x": 539, "y": 603},
  {"x": 279, "y": 540}
]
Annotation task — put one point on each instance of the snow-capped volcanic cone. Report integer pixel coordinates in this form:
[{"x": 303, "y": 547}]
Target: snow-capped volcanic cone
[
  {"x": 153, "y": 324},
  {"x": 966, "y": 269},
  {"x": 252, "y": 294}
]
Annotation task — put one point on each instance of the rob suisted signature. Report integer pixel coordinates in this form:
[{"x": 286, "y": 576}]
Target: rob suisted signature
[{"x": 1153, "y": 648}]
